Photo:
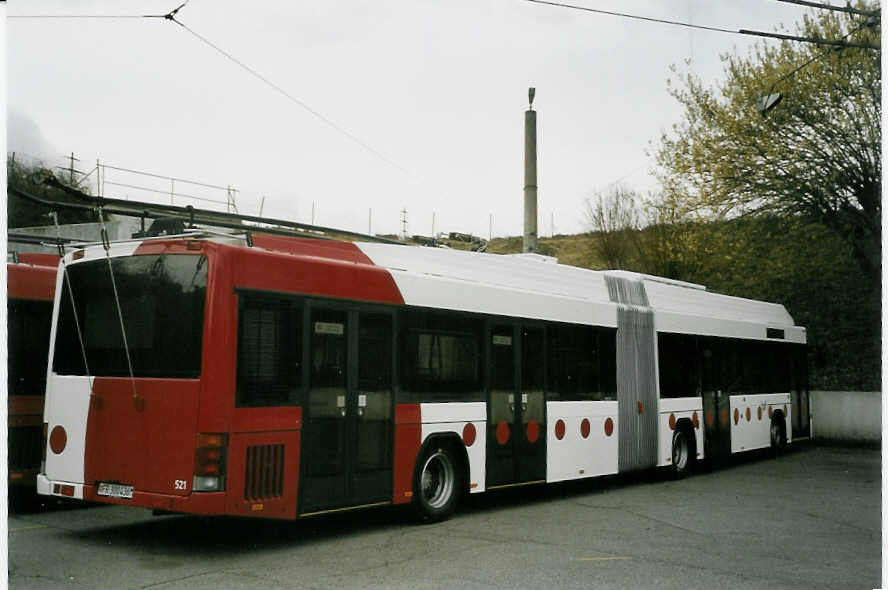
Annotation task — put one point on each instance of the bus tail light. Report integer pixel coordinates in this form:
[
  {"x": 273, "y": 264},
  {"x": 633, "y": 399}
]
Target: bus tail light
[{"x": 209, "y": 463}]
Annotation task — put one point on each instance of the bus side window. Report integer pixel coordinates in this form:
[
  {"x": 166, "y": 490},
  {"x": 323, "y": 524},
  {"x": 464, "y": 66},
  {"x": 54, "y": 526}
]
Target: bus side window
[
  {"x": 778, "y": 367},
  {"x": 575, "y": 364},
  {"x": 441, "y": 354},
  {"x": 756, "y": 356},
  {"x": 28, "y": 325},
  {"x": 679, "y": 368},
  {"x": 269, "y": 352},
  {"x": 732, "y": 365},
  {"x": 607, "y": 342}
]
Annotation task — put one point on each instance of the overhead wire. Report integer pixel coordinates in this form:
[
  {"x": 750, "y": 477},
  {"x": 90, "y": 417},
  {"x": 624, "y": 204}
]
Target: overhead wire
[
  {"x": 631, "y": 16},
  {"x": 79, "y": 16},
  {"x": 813, "y": 40},
  {"x": 295, "y": 100},
  {"x": 171, "y": 16}
]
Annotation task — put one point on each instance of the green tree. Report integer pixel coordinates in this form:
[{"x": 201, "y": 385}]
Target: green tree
[
  {"x": 816, "y": 156},
  {"x": 31, "y": 179}
]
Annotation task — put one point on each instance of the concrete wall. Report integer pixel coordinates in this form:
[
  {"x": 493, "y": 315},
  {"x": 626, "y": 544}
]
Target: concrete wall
[
  {"x": 119, "y": 228},
  {"x": 847, "y": 416}
]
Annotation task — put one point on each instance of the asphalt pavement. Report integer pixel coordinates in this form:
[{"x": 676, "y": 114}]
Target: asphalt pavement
[{"x": 807, "y": 519}]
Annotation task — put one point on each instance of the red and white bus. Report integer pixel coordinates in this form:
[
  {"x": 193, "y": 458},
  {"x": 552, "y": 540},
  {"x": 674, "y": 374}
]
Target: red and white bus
[
  {"x": 282, "y": 377},
  {"x": 31, "y": 279}
]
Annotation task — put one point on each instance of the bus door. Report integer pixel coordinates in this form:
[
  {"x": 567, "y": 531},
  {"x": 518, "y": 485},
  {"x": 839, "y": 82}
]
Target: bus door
[
  {"x": 716, "y": 405},
  {"x": 348, "y": 431},
  {"x": 516, "y": 407}
]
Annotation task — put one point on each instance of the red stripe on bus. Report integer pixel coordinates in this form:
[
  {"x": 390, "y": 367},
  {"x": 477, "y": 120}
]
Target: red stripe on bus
[
  {"x": 312, "y": 275},
  {"x": 30, "y": 282},
  {"x": 408, "y": 437},
  {"x": 345, "y": 251},
  {"x": 263, "y": 419},
  {"x": 39, "y": 259}
]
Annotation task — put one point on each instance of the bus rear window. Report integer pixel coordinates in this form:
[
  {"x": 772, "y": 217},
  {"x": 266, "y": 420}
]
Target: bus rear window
[{"x": 161, "y": 299}]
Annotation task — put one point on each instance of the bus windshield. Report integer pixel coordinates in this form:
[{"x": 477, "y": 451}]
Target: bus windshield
[{"x": 161, "y": 300}]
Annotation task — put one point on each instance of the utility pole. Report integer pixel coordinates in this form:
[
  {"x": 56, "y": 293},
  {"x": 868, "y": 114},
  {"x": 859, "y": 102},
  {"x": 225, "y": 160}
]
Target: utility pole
[
  {"x": 231, "y": 194},
  {"x": 70, "y": 168},
  {"x": 404, "y": 222}
]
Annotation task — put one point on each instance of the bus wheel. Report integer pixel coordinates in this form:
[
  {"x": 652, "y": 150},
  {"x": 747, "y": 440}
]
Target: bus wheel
[
  {"x": 682, "y": 458},
  {"x": 436, "y": 484},
  {"x": 778, "y": 434}
]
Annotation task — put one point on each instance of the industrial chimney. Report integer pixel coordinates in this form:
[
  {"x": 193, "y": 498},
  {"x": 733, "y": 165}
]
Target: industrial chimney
[{"x": 530, "y": 176}]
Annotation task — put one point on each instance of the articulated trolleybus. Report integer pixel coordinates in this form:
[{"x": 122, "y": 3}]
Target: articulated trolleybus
[
  {"x": 31, "y": 279},
  {"x": 282, "y": 377}
]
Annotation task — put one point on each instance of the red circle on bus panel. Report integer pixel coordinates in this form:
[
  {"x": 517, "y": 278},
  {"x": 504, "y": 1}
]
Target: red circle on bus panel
[
  {"x": 671, "y": 421},
  {"x": 585, "y": 428},
  {"x": 502, "y": 432},
  {"x": 695, "y": 419},
  {"x": 640, "y": 407},
  {"x": 608, "y": 427},
  {"x": 58, "y": 439},
  {"x": 532, "y": 431},
  {"x": 736, "y": 416},
  {"x": 469, "y": 434},
  {"x": 748, "y": 415},
  {"x": 759, "y": 412},
  {"x": 770, "y": 411},
  {"x": 559, "y": 429}
]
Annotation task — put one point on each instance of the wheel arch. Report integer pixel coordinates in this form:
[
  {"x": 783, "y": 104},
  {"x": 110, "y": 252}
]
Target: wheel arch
[
  {"x": 688, "y": 426},
  {"x": 453, "y": 441}
]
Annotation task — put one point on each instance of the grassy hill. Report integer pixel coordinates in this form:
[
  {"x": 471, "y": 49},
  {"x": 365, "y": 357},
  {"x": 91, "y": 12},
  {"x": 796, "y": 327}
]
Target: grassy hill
[{"x": 575, "y": 250}]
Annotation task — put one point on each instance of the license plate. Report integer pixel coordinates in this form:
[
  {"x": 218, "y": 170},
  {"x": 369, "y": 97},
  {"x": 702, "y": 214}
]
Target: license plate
[{"x": 115, "y": 490}]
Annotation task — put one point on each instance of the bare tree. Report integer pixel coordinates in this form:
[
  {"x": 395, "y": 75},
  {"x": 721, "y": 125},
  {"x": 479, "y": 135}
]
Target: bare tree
[{"x": 613, "y": 217}]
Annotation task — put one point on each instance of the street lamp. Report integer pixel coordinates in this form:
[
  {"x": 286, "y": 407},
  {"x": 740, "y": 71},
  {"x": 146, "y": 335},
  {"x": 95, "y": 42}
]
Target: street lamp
[{"x": 766, "y": 102}]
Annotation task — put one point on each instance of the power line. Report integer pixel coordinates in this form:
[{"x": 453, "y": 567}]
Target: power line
[
  {"x": 817, "y": 41},
  {"x": 81, "y": 16},
  {"x": 848, "y": 9},
  {"x": 295, "y": 100},
  {"x": 171, "y": 16},
  {"x": 631, "y": 16},
  {"x": 814, "y": 40},
  {"x": 168, "y": 16}
]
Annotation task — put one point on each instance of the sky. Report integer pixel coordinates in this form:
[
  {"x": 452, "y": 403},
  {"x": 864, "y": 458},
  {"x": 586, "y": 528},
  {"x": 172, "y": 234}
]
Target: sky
[{"x": 391, "y": 104}]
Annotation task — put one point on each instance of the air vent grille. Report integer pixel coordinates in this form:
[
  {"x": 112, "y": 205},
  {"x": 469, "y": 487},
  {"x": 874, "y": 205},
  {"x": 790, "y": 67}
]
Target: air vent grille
[{"x": 264, "y": 478}]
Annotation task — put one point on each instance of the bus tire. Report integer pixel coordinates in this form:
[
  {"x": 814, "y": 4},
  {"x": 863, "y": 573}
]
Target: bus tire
[
  {"x": 683, "y": 453},
  {"x": 778, "y": 434},
  {"x": 436, "y": 483}
]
